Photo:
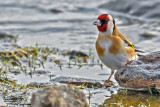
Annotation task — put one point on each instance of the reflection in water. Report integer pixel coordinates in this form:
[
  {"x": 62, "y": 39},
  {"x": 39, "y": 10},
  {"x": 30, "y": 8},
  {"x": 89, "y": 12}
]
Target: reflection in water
[{"x": 127, "y": 98}]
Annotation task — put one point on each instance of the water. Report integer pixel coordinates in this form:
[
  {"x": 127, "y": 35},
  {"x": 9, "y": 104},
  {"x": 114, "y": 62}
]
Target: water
[
  {"x": 68, "y": 24},
  {"x": 47, "y": 21}
]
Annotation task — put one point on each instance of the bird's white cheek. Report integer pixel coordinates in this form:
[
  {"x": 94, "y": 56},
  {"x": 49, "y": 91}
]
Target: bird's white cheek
[{"x": 110, "y": 28}]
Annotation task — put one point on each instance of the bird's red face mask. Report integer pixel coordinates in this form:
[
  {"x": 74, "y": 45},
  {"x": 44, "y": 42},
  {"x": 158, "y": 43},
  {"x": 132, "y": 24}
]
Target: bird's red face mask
[{"x": 102, "y": 22}]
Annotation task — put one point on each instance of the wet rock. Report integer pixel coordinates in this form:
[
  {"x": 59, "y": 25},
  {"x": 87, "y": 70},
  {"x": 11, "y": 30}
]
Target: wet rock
[
  {"x": 4, "y": 35},
  {"x": 7, "y": 42},
  {"x": 39, "y": 72},
  {"x": 62, "y": 79},
  {"x": 42, "y": 72},
  {"x": 141, "y": 74},
  {"x": 78, "y": 81},
  {"x": 74, "y": 54},
  {"x": 59, "y": 96}
]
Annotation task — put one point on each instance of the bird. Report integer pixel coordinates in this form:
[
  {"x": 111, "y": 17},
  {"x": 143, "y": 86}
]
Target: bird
[{"x": 113, "y": 49}]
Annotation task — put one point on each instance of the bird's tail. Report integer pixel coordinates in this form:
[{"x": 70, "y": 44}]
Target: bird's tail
[
  {"x": 139, "y": 52},
  {"x": 136, "y": 50}
]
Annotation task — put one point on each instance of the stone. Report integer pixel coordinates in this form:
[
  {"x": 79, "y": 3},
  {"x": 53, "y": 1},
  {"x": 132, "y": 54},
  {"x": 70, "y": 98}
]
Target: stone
[
  {"x": 59, "y": 96},
  {"x": 5, "y": 35},
  {"x": 74, "y": 54},
  {"x": 142, "y": 73}
]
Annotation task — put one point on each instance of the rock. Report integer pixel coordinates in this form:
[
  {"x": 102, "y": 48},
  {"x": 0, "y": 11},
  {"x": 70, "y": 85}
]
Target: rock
[
  {"x": 74, "y": 54},
  {"x": 78, "y": 81},
  {"x": 59, "y": 96},
  {"x": 142, "y": 73},
  {"x": 42, "y": 72},
  {"x": 4, "y": 35}
]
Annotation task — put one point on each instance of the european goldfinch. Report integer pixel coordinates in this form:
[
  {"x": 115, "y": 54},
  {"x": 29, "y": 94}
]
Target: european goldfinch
[{"x": 114, "y": 49}]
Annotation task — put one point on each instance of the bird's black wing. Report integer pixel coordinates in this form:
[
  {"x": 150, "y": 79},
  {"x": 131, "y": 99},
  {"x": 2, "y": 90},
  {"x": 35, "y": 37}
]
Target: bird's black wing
[{"x": 131, "y": 45}]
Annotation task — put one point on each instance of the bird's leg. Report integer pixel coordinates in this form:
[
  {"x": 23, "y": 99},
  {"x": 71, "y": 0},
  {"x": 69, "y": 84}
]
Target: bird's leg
[{"x": 110, "y": 76}]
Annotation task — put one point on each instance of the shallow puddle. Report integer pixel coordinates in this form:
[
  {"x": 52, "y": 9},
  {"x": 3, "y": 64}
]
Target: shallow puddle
[{"x": 128, "y": 98}]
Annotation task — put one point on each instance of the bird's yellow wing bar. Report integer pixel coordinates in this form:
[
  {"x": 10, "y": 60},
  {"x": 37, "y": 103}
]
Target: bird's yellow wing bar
[{"x": 129, "y": 44}]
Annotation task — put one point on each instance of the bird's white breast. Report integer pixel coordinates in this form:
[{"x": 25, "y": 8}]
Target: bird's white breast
[{"x": 111, "y": 60}]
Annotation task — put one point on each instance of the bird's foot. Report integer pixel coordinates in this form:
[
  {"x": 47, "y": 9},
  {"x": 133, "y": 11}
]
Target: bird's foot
[{"x": 128, "y": 62}]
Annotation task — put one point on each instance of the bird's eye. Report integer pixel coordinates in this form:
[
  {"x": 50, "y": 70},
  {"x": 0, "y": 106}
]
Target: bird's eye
[{"x": 104, "y": 21}]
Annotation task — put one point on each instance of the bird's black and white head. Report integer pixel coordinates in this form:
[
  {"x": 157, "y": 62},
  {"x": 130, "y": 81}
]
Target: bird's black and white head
[{"x": 105, "y": 24}]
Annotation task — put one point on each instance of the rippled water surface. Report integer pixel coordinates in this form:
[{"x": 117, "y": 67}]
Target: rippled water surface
[{"x": 68, "y": 24}]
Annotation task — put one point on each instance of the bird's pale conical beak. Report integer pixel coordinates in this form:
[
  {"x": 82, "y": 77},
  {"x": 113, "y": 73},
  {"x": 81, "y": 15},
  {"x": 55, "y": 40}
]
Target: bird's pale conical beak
[{"x": 98, "y": 23}]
